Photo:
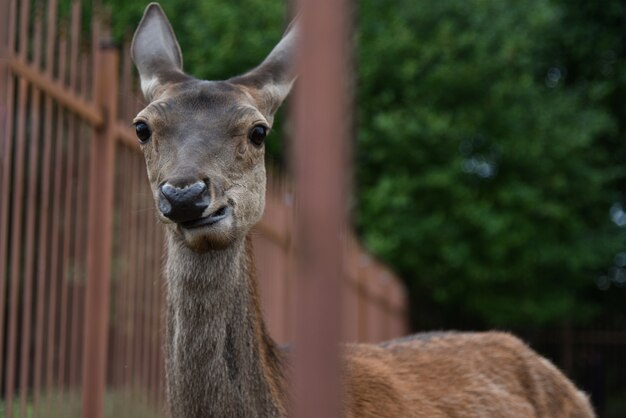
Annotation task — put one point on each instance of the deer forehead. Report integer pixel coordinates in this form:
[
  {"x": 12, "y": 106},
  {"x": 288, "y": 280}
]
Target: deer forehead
[{"x": 201, "y": 105}]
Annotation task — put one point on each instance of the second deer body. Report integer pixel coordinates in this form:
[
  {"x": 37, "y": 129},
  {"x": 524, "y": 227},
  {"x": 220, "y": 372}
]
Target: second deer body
[{"x": 203, "y": 143}]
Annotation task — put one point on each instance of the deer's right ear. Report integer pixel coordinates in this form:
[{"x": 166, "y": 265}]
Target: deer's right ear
[{"x": 156, "y": 52}]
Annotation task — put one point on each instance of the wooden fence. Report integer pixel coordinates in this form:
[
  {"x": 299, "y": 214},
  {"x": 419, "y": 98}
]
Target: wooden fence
[{"x": 81, "y": 293}]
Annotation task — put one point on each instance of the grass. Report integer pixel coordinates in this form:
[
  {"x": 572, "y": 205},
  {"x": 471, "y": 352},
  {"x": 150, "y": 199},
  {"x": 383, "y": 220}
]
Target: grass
[{"x": 67, "y": 404}]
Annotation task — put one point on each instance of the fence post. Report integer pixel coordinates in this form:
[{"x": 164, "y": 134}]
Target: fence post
[
  {"x": 322, "y": 114},
  {"x": 100, "y": 233}
]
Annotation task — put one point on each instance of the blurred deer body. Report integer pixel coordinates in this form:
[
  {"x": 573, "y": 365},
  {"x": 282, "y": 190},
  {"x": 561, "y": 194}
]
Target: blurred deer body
[
  {"x": 451, "y": 374},
  {"x": 203, "y": 142}
]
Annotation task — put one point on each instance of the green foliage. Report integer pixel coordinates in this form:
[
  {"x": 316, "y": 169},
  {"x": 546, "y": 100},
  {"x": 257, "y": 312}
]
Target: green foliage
[
  {"x": 218, "y": 39},
  {"x": 489, "y": 143},
  {"x": 482, "y": 178},
  {"x": 62, "y": 404}
]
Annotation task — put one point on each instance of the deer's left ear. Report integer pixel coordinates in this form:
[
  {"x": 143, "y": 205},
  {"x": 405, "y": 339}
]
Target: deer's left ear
[{"x": 276, "y": 74}]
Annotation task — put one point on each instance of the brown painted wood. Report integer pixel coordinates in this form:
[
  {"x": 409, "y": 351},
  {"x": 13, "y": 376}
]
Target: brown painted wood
[
  {"x": 99, "y": 249},
  {"x": 7, "y": 166},
  {"x": 56, "y": 243},
  {"x": 76, "y": 70},
  {"x": 320, "y": 165},
  {"x": 45, "y": 284},
  {"x": 76, "y": 104},
  {"x": 32, "y": 206},
  {"x": 66, "y": 276},
  {"x": 17, "y": 215}
]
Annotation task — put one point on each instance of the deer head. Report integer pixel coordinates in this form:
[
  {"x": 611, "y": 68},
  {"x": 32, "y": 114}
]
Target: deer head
[{"x": 203, "y": 141}]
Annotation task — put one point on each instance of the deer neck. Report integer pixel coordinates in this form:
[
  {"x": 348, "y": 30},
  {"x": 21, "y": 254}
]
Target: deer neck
[{"x": 220, "y": 361}]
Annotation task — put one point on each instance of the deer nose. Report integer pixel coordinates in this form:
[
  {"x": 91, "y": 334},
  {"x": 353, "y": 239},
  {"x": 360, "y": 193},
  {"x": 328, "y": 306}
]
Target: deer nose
[{"x": 182, "y": 204}]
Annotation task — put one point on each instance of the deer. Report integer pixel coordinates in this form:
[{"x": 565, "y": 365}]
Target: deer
[{"x": 203, "y": 143}]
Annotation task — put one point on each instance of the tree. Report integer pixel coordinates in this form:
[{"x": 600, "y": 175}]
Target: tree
[{"x": 481, "y": 177}]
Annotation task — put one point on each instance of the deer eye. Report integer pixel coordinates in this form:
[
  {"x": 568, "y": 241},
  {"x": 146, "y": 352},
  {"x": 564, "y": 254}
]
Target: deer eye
[
  {"x": 143, "y": 132},
  {"x": 257, "y": 135}
]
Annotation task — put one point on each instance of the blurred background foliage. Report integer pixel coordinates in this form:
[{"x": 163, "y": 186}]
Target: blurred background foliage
[{"x": 489, "y": 160}]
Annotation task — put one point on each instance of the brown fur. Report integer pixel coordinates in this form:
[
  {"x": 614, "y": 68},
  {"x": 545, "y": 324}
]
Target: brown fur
[
  {"x": 220, "y": 360},
  {"x": 466, "y": 375}
]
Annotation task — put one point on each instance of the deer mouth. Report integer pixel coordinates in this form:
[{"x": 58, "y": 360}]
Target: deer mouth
[{"x": 212, "y": 219}]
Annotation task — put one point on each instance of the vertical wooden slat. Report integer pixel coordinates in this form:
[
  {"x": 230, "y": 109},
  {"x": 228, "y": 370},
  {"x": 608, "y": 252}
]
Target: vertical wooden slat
[
  {"x": 32, "y": 205},
  {"x": 70, "y": 289},
  {"x": 43, "y": 291},
  {"x": 126, "y": 262},
  {"x": 140, "y": 296},
  {"x": 100, "y": 236},
  {"x": 4, "y": 73},
  {"x": 152, "y": 283},
  {"x": 154, "y": 331},
  {"x": 148, "y": 220},
  {"x": 350, "y": 331},
  {"x": 148, "y": 300},
  {"x": 398, "y": 302},
  {"x": 350, "y": 312},
  {"x": 77, "y": 273},
  {"x": 73, "y": 276},
  {"x": 130, "y": 266},
  {"x": 161, "y": 310},
  {"x": 148, "y": 283},
  {"x": 80, "y": 241},
  {"x": 375, "y": 297},
  {"x": 56, "y": 276},
  {"x": 365, "y": 310},
  {"x": 374, "y": 307},
  {"x": 66, "y": 275},
  {"x": 364, "y": 262},
  {"x": 17, "y": 214},
  {"x": 319, "y": 152},
  {"x": 4, "y": 54},
  {"x": 129, "y": 285},
  {"x": 382, "y": 297},
  {"x": 121, "y": 279},
  {"x": 154, "y": 343},
  {"x": 43, "y": 280},
  {"x": 158, "y": 291},
  {"x": 7, "y": 165},
  {"x": 116, "y": 275},
  {"x": 134, "y": 278},
  {"x": 127, "y": 246},
  {"x": 137, "y": 299}
]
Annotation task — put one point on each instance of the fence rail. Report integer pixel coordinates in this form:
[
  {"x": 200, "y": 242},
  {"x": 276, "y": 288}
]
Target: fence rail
[{"x": 81, "y": 293}]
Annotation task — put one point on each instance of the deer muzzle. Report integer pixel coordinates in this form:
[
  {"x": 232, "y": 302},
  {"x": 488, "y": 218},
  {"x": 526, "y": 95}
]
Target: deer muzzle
[{"x": 184, "y": 203}]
